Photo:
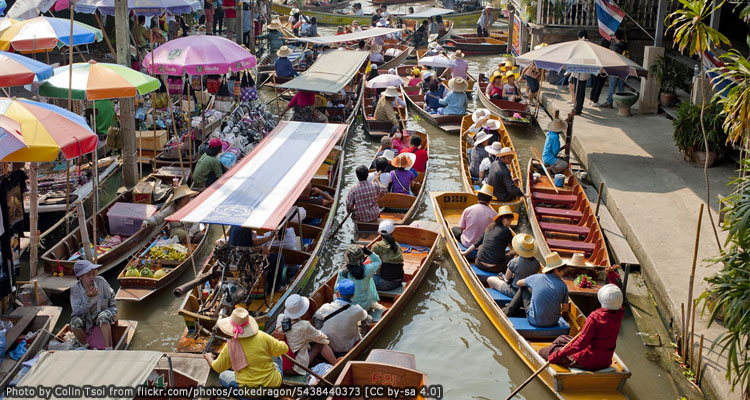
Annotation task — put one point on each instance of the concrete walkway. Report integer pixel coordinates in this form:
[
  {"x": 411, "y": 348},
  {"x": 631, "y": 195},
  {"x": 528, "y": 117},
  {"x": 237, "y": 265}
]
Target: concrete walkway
[{"x": 654, "y": 196}]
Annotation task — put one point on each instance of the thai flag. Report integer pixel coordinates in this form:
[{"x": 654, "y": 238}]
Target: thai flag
[{"x": 609, "y": 16}]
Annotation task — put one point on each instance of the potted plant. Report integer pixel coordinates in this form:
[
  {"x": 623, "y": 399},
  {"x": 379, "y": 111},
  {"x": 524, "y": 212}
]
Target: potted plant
[
  {"x": 672, "y": 76},
  {"x": 687, "y": 132}
]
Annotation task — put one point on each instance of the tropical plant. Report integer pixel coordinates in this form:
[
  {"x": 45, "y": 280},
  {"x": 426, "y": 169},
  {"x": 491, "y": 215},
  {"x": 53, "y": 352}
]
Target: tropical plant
[
  {"x": 672, "y": 75},
  {"x": 687, "y": 134},
  {"x": 736, "y": 96},
  {"x": 692, "y": 34}
]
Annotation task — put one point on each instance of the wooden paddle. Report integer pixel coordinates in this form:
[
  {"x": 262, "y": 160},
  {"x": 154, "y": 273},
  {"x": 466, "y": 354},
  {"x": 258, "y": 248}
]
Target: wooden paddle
[
  {"x": 335, "y": 231},
  {"x": 308, "y": 370},
  {"x": 535, "y": 152}
]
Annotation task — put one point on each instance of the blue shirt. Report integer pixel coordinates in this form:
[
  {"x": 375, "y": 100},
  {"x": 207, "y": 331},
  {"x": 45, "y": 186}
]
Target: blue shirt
[
  {"x": 551, "y": 148},
  {"x": 246, "y": 24},
  {"x": 433, "y": 101},
  {"x": 365, "y": 292},
  {"x": 284, "y": 68},
  {"x": 547, "y": 293},
  {"x": 455, "y": 103}
]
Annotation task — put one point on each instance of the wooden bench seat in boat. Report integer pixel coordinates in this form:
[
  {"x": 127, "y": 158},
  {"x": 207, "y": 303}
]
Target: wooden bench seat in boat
[
  {"x": 571, "y": 245},
  {"x": 481, "y": 273},
  {"x": 559, "y": 368},
  {"x": 558, "y": 212},
  {"x": 524, "y": 327},
  {"x": 499, "y": 298},
  {"x": 554, "y": 198},
  {"x": 565, "y": 228},
  {"x": 391, "y": 294}
]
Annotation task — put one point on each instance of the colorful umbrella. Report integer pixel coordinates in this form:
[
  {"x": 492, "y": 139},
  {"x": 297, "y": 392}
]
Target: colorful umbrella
[
  {"x": 140, "y": 7},
  {"x": 94, "y": 81},
  {"x": 384, "y": 81},
  {"x": 16, "y": 69},
  {"x": 45, "y": 33},
  {"x": 47, "y": 130},
  {"x": 199, "y": 55},
  {"x": 580, "y": 56},
  {"x": 10, "y": 136},
  {"x": 26, "y": 9}
]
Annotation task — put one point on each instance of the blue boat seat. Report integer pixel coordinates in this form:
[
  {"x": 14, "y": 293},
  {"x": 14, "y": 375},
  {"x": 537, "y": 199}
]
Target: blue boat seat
[
  {"x": 524, "y": 327},
  {"x": 471, "y": 255},
  {"x": 481, "y": 273},
  {"x": 603, "y": 370},
  {"x": 500, "y": 298},
  {"x": 313, "y": 221}
]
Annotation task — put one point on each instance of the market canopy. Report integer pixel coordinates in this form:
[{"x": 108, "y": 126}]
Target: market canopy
[
  {"x": 198, "y": 55},
  {"x": 430, "y": 12},
  {"x": 95, "y": 81},
  {"x": 46, "y": 33},
  {"x": 260, "y": 190},
  {"x": 349, "y": 37},
  {"x": 330, "y": 73},
  {"x": 140, "y": 7}
]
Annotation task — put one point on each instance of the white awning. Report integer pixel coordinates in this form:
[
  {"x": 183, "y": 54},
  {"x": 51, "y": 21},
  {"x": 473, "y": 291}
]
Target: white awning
[
  {"x": 349, "y": 37},
  {"x": 430, "y": 12}
]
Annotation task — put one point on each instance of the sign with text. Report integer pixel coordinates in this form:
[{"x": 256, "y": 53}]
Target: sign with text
[{"x": 516, "y": 44}]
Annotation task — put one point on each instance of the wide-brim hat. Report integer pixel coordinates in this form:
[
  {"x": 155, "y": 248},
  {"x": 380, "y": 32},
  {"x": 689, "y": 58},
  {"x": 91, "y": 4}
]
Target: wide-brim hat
[
  {"x": 488, "y": 190},
  {"x": 432, "y": 45},
  {"x": 404, "y": 160},
  {"x": 552, "y": 261},
  {"x": 507, "y": 66},
  {"x": 508, "y": 74},
  {"x": 433, "y": 37},
  {"x": 458, "y": 84},
  {"x": 416, "y": 71},
  {"x": 578, "y": 260},
  {"x": 275, "y": 25},
  {"x": 495, "y": 75},
  {"x": 182, "y": 191},
  {"x": 479, "y": 114},
  {"x": 481, "y": 137},
  {"x": 376, "y": 48},
  {"x": 557, "y": 125},
  {"x": 294, "y": 11},
  {"x": 83, "y": 267},
  {"x": 284, "y": 51},
  {"x": 524, "y": 245},
  {"x": 458, "y": 54},
  {"x": 390, "y": 91},
  {"x": 239, "y": 323},
  {"x": 389, "y": 155},
  {"x": 296, "y": 306},
  {"x": 495, "y": 148},
  {"x": 493, "y": 124},
  {"x": 503, "y": 211}
]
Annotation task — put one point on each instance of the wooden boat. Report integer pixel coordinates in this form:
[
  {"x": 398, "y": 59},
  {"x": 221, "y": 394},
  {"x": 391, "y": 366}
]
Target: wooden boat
[
  {"x": 373, "y": 127},
  {"x": 565, "y": 222},
  {"x": 394, "y": 55},
  {"x": 26, "y": 320},
  {"x": 411, "y": 25},
  {"x": 391, "y": 2},
  {"x": 476, "y": 46},
  {"x": 122, "y": 333},
  {"x": 500, "y": 35},
  {"x": 448, "y": 123},
  {"x": 397, "y": 207},
  {"x": 382, "y": 367},
  {"x": 419, "y": 247},
  {"x": 472, "y": 186},
  {"x": 504, "y": 108},
  {"x": 523, "y": 338},
  {"x": 325, "y": 6}
]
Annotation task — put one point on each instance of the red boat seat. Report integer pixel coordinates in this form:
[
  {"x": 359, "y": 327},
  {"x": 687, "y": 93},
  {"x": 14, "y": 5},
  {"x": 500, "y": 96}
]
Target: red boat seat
[
  {"x": 554, "y": 198},
  {"x": 564, "y": 228},
  {"x": 572, "y": 245},
  {"x": 558, "y": 212}
]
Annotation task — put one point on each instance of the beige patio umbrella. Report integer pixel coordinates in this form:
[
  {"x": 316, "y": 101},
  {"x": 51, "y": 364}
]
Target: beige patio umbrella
[{"x": 581, "y": 56}]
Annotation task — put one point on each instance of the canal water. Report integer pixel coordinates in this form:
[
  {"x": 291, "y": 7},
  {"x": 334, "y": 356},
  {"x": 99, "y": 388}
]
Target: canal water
[{"x": 452, "y": 339}]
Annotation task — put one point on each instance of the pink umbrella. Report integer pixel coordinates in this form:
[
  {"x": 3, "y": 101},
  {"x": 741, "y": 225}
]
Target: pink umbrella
[
  {"x": 198, "y": 55},
  {"x": 10, "y": 136}
]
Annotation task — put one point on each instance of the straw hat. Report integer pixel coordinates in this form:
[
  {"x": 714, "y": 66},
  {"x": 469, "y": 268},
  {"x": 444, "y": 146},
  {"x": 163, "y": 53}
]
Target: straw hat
[
  {"x": 458, "y": 54},
  {"x": 610, "y": 297},
  {"x": 389, "y": 154},
  {"x": 416, "y": 71},
  {"x": 182, "y": 191},
  {"x": 480, "y": 114},
  {"x": 458, "y": 85},
  {"x": 493, "y": 124},
  {"x": 433, "y": 37},
  {"x": 294, "y": 11},
  {"x": 508, "y": 74},
  {"x": 404, "y": 160},
  {"x": 296, "y": 306},
  {"x": 524, "y": 245},
  {"x": 552, "y": 261},
  {"x": 488, "y": 190},
  {"x": 284, "y": 51},
  {"x": 481, "y": 137},
  {"x": 503, "y": 211},
  {"x": 376, "y": 48},
  {"x": 557, "y": 125},
  {"x": 578, "y": 260},
  {"x": 497, "y": 149},
  {"x": 432, "y": 45},
  {"x": 240, "y": 324},
  {"x": 495, "y": 75},
  {"x": 507, "y": 66},
  {"x": 275, "y": 24},
  {"x": 391, "y": 91}
]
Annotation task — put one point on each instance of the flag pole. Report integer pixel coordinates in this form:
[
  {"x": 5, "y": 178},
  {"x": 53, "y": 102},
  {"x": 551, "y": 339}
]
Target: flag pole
[{"x": 639, "y": 25}]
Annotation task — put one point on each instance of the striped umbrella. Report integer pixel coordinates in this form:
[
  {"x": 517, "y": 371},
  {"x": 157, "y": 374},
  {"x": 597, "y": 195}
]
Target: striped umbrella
[
  {"x": 46, "y": 33},
  {"x": 95, "y": 81},
  {"x": 47, "y": 130},
  {"x": 16, "y": 69}
]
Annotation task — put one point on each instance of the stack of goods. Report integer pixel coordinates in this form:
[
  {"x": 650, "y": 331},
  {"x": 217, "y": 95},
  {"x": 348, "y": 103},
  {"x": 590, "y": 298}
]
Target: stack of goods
[
  {"x": 104, "y": 246},
  {"x": 246, "y": 126},
  {"x": 162, "y": 253}
]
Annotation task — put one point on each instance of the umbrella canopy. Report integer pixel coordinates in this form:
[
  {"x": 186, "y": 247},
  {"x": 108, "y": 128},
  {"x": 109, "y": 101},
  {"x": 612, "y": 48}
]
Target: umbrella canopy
[
  {"x": 94, "y": 81},
  {"x": 199, "y": 55},
  {"x": 16, "y": 69},
  {"x": 6, "y": 22},
  {"x": 47, "y": 130},
  {"x": 140, "y": 7},
  {"x": 25, "y": 9},
  {"x": 384, "y": 81},
  {"x": 580, "y": 56},
  {"x": 10, "y": 136},
  {"x": 45, "y": 33},
  {"x": 436, "y": 62}
]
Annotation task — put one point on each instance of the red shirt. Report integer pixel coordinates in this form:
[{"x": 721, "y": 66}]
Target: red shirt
[
  {"x": 594, "y": 347},
  {"x": 420, "y": 164},
  {"x": 229, "y": 11},
  {"x": 495, "y": 90},
  {"x": 303, "y": 99}
]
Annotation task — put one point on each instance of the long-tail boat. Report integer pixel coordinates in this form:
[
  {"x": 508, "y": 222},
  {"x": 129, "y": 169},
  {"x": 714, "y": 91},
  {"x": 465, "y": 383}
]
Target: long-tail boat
[
  {"x": 448, "y": 123},
  {"x": 373, "y": 127},
  {"x": 383, "y": 368},
  {"x": 512, "y": 112},
  {"x": 394, "y": 55},
  {"x": 476, "y": 45}
]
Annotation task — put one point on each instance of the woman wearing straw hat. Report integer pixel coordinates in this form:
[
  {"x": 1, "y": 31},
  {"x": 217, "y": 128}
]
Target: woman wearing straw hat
[
  {"x": 495, "y": 89},
  {"x": 282, "y": 65},
  {"x": 456, "y": 100},
  {"x": 493, "y": 242},
  {"x": 402, "y": 176},
  {"x": 375, "y": 54},
  {"x": 253, "y": 355},
  {"x": 511, "y": 92},
  {"x": 520, "y": 267},
  {"x": 459, "y": 68},
  {"x": 475, "y": 218},
  {"x": 181, "y": 197},
  {"x": 544, "y": 296},
  {"x": 506, "y": 187},
  {"x": 552, "y": 161},
  {"x": 384, "y": 109},
  {"x": 303, "y": 339},
  {"x": 274, "y": 36},
  {"x": 478, "y": 153}
]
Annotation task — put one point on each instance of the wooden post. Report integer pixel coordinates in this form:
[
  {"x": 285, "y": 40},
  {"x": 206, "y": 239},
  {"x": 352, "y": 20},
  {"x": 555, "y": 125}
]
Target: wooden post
[
  {"x": 681, "y": 345},
  {"x": 690, "y": 305},
  {"x": 238, "y": 22},
  {"x": 692, "y": 335},
  {"x": 84, "y": 231},
  {"x": 153, "y": 103},
  {"x": 569, "y": 136},
  {"x": 251, "y": 38},
  {"x": 67, "y": 193},
  {"x": 33, "y": 219},
  {"x": 599, "y": 199},
  {"x": 104, "y": 33},
  {"x": 95, "y": 187},
  {"x": 127, "y": 122},
  {"x": 698, "y": 374}
]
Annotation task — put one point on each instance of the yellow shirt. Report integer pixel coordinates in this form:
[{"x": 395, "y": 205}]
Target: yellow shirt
[{"x": 259, "y": 350}]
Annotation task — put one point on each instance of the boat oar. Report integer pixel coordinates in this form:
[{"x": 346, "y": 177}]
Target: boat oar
[
  {"x": 308, "y": 370},
  {"x": 535, "y": 152},
  {"x": 341, "y": 224},
  {"x": 537, "y": 372}
]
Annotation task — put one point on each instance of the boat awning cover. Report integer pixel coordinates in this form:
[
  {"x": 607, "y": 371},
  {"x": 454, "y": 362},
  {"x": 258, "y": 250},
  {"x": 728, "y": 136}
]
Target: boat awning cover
[
  {"x": 95, "y": 368},
  {"x": 260, "y": 190},
  {"x": 430, "y": 12},
  {"x": 330, "y": 73},
  {"x": 349, "y": 37}
]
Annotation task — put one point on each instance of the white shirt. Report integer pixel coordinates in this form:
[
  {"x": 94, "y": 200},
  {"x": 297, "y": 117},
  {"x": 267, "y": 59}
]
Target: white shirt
[
  {"x": 484, "y": 166},
  {"x": 343, "y": 329},
  {"x": 385, "y": 178}
]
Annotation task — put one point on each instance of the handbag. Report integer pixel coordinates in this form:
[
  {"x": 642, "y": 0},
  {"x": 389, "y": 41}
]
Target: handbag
[
  {"x": 212, "y": 85},
  {"x": 248, "y": 94},
  {"x": 174, "y": 85},
  {"x": 114, "y": 135}
]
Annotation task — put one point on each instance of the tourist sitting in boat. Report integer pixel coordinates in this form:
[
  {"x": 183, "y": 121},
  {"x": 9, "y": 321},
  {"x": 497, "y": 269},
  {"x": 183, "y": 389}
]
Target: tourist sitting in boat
[
  {"x": 420, "y": 154},
  {"x": 396, "y": 142},
  {"x": 209, "y": 168},
  {"x": 373, "y": 72},
  {"x": 302, "y": 103},
  {"x": 520, "y": 267},
  {"x": 312, "y": 30},
  {"x": 384, "y": 109},
  {"x": 544, "y": 297},
  {"x": 362, "y": 200},
  {"x": 419, "y": 37},
  {"x": 552, "y": 147},
  {"x": 356, "y": 27},
  {"x": 433, "y": 49},
  {"x": 303, "y": 339},
  {"x": 282, "y": 65},
  {"x": 375, "y": 53},
  {"x": 593, "y": 348},
  {"x": 357, "y": 10},
  {"x": 376, "y": 17},
  {"x": 533, "y": 76},
  {"x": 506, "y": 187},
  {"x": 456, "y": 100},
  {"x": 340, "y": 319},
  {"x": 442, "y": 29},
  {"x": 391, "y": 273},
  {"x": 432, "y": 97},
  {"x": 511, "y": 92},
  {"x": 386, "y": 143},
  {"x": 365, "y": 292},
  {"x": 495, "y": 89},
  {"x": 460, "y": 67},
  {"x": 385, "y": 14},
  {"x": 185, "y": 232},
  {"x": 382, "y": 170},
  {"x": 493, "y": 242},
  {"x": 402, "y": 176},
  {"x": 253, "y": 355},
  {"x": 313, "y": 195},
  {"x": 475, "y": 219},
  {"x": 416, "y": 77},
  {"x": 433, "y": 27},
  {"x": 478, "y": 154},
  {"x": 92, "y": 303}
]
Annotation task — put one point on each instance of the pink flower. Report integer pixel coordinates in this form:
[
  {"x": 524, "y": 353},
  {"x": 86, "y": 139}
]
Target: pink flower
[{"x": 516, "y": 115}]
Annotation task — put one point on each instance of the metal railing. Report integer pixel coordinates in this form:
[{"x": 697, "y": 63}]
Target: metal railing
[{"x": 583, "y": 12}]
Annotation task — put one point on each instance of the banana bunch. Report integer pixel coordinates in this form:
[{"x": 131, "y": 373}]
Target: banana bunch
[{"x": 173, "y": 252}]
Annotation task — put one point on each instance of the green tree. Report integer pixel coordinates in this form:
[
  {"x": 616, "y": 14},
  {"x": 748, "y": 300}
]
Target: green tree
[{"x": 735, "y": 98}]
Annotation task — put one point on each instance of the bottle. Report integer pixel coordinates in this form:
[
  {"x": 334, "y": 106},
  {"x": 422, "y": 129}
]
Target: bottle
[{"x": 206, "y": 289}]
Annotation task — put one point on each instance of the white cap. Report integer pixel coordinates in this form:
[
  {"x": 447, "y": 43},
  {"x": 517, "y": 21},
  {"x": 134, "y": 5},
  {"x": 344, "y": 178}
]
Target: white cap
[
  {"x": 386, "y": 227},
  {"x": 610, "y": 297}
]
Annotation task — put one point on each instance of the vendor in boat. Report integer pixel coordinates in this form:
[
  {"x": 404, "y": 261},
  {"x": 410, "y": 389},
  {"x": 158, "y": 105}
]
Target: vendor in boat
[
  {"x": 314, "y": 195},
  {"x": 432, "y": 97},
  {"x": 185, "y": 232},
  {"x": 495, "y": 88},
  {"x": 416, "y": 77},
  {"x": 356, "y": 27},
  {"x": 419, "y": 37},
  {"x": 455, "y": 102},
  {"x": 511, "y": 92},
  {"x": 544, "y": 297},
  {"x": 533, "y": 76},
  {"x": 384, "y": 109},
  {"x": 484, "y": 22},
  {"x": 391, "y": 273},
  {"x": 246, "y": 237},
  {"x": 402, "y": 176},
  {"x": 253, "y": 355},
  {"x": 552, "y": 147},
  {"x": 357, "y": 10},
  {"x": 382, "y": 169},
  {"x": 209, "y": 168},
  {"x": 520, "y": 267},
  {"x": 478, "y": 154},
  {"x": 460, "y": 67},
  {"x": 506, "y": 187},
  {"x": 304, "y": 340},
  {"x": 493, "y": 242},
  {"x": 92, "y": 303},
  {"x": 375, "y": 54},
  {"x": 365, "y": 292},
  {"x": 340, "y": 319},
  {"x": 275, "y": 36},
  {"x": 362, "y": 200},
  {"x": 302, "y": 103},
  {"x": 594, "y": 347},
  {"x": 420, "y": 154},
  {"x": 476, "y": 218},
  {"x": 282, "y": 65}
]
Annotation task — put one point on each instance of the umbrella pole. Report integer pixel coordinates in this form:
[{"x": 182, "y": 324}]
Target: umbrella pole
[
  {"x": 174, "y": 125},
  {"x": 70, "y": 108},
  {"x": 190, "y": 127},
  {"x": 33, "y": 218},
  {"x": 95, "y": 185},
  {"x": 153, "y": 105},
  {"x": 67, "y": 196}
]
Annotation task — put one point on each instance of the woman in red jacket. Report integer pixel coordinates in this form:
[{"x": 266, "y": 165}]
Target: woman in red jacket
[{"x": 593, "y": 348}]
